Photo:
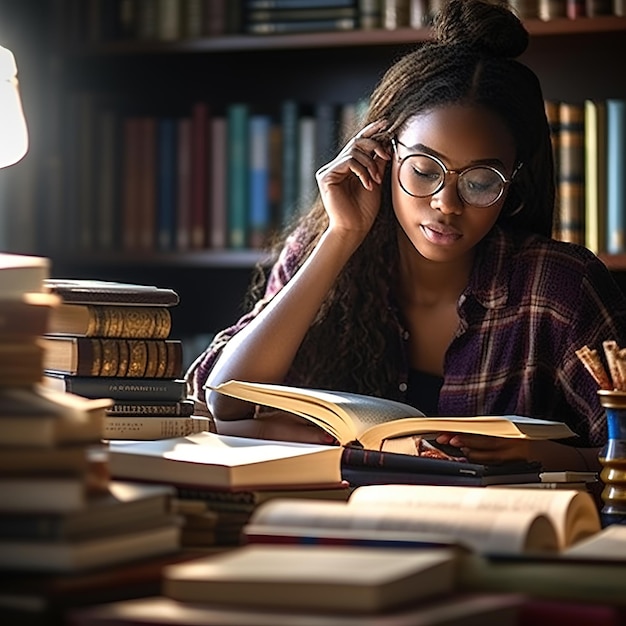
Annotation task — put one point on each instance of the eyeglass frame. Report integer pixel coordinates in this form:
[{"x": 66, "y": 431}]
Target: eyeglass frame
[{"x": 505, "y": 181}]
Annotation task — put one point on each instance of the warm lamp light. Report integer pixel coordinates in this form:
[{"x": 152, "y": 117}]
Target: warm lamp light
[{"x": 13, "y": 130}]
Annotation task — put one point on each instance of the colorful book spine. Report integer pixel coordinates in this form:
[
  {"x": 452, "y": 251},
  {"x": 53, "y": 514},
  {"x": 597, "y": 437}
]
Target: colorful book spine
[
  {"x": 616, "y": 175},
  {"x": 238, "y": 166},
  {"x": 595, "y": 175},
  {"x": 259, "y": 200},
  {"x": 290, "y": 113},
  {"x": 571, "y": 172},
  {"x": 166, "y": 182},
  {"x": 218, "y": 221},
  {"x": 199, "y": 125}
]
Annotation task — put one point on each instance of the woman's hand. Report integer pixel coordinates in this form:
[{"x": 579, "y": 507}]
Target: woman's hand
[
  {"x": 488, "y": 450},
  {"x": 350, "y": 184}
]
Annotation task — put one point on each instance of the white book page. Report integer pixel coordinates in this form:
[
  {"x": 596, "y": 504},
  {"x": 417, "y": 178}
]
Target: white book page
[{"x": 573, "y": 512}]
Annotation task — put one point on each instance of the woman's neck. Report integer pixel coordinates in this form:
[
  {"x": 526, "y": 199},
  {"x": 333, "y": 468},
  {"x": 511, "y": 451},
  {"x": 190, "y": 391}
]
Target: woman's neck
[{"x": 427, "y": 283}]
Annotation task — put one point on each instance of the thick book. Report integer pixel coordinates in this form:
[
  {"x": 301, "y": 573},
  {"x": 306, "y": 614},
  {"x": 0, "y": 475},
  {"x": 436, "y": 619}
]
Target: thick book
[
  {"x": 120, "y": 508},
  {"x": 88, "y": 320},
  {"x": 595, "y": 175},
  {"x": 43, "y": 418},
  {"x": 101, "y": 551},
  {"x": 369, "y": 420},
  {"x": 391, "y": 466},
  {"x": 150, "y": 428},
  {"x": 83, "y": 291},
  {"x": 113, "y": 356},
  {"x": 457, "y": 610},
  {"x": 20, "y": 274},
  {"x": 21, "y": 361},
  {"x": 315, "y": 578},
  {"x": 230, "y": 463},
  {"x": 118, "y": 389},
  {"x": 495, "y": 521}
]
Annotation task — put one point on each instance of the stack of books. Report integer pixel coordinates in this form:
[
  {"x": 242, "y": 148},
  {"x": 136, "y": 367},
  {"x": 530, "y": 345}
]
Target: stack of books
[
  {"x": 60, "y": 512},
  {"x": 112, "y": 340}
]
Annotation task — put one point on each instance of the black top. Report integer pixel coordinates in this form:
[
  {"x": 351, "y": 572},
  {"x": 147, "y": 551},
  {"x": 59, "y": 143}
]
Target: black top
[{"x": 423, "y": 391}]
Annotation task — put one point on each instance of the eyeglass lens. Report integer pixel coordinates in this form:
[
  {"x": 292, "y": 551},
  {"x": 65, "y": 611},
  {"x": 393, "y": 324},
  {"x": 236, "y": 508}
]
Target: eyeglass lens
[{"x": 422, "y": 176}]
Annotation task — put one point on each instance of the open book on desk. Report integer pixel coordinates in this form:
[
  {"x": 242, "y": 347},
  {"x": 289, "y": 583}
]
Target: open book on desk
[
  {"x": 369, "y": 420},
  {"x": 497, "y": 521}
]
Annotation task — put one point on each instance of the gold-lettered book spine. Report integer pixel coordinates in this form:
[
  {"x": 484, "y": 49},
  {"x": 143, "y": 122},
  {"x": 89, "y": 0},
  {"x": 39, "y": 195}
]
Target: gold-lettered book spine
[{"x": 129, "y": 322}]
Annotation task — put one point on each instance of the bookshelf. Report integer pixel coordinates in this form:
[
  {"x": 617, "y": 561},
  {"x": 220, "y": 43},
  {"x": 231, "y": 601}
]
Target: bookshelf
[{"x": 574, "y": 58}]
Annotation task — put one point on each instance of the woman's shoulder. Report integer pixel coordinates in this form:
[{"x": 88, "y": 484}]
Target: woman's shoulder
[
  {"x": 533, "y": 263},
  {"x": 537, "y": 250}
]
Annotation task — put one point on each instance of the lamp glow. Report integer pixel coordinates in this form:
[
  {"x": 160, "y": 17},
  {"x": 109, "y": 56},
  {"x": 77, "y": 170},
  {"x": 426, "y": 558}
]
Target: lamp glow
[{"x": 13, "y": 129}]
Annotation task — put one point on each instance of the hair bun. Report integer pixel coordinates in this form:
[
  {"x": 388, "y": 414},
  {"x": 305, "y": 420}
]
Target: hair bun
[{"x": 486, "y": 26}]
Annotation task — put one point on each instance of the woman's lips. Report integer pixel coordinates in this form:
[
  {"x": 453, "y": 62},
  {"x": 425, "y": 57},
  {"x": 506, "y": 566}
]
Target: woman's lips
[{"x": 440, "y": 234}]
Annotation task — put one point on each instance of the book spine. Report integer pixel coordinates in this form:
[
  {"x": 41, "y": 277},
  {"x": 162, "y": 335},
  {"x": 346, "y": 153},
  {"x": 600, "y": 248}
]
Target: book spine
[
  {"x": 128, "y": 357},
  {"x": 598, "y": 7},
  {"x": 552, "y": 9},
  {"x": 149, "y": 409},
  {"x": 304, "y": 26},
  {"x": 571, "y": 179},
  {"x": 370, "y": 15},
  {"x": 218, "y": 228},
  {"x": 151, "y": 428},
  {"x": 238, "y": 190},
  {"x": 396, "y": 14},
  {"x": 183, "y": 185},
  {"x": 576, "y": 9},
  {"x": 289, "y": 116},
  {"x": 199, "y": 122},
  {"x": 595, "y": 175},
  {"x": 166, "y": 183},
  {"x": 259, "y": 139},
  {"x": 525, "y": 9},
  {"x": 616, "y": 175},
  {"x": 296, "y": 4},
  {"x": 129, "y": 322},
  {"x": 158, "y": 390},
  {"x": 287, "y": 15},
  {"x": 619, "y": 8}
]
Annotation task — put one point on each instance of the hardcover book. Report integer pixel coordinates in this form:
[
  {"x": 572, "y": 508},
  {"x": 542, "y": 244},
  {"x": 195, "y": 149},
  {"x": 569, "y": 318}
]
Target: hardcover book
[
  {"x": 315, "y": 578},
  {"x": 96, "y": 356},
  {"x": 79, "y": 291},
  {"x": 89, "y": 320},
  {"x": 118, "y": 389},
  {"x": 369, "y": 421},
  {"x": 230, "y": 463}
]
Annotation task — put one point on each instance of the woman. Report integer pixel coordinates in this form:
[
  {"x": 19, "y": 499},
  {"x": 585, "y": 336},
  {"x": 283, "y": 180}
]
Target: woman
[{"x": 425, "y": 272}]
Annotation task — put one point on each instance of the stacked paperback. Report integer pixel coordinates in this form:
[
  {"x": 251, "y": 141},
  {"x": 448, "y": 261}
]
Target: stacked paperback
[
  {"x": 60, "y": 513},
  {"x": 112, "y": 340}
]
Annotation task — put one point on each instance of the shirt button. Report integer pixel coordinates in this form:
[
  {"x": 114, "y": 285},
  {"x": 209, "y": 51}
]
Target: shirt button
[
  {"x": 405, "y": 335},
  {"x": 403, "y": 387}
]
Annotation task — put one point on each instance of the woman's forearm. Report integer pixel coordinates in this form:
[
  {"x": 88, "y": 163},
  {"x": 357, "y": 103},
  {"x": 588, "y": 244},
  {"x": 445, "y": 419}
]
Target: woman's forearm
[{"x": 265, "y": 349}]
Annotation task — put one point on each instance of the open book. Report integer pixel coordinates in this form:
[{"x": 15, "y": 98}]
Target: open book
[
  {"x": 369, "y": 420},
  {"x": 496, "y": 521}
]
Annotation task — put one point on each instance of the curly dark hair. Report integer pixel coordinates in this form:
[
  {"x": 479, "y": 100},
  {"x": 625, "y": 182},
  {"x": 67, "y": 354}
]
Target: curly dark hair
[{"x": 470, "y": 61}]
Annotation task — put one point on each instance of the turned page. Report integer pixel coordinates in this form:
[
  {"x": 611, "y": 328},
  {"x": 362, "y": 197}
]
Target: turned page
[
  {"x": 486, "y": 532},
  {"x": 573, "y": 513}
]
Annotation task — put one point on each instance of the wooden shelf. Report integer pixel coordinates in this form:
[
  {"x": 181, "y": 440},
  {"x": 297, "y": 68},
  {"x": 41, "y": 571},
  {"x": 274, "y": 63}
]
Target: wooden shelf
[{"x": 355, "y": 38}]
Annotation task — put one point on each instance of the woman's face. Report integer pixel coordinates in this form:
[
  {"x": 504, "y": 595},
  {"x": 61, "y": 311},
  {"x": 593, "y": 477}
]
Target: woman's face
[{"x": 443, "y": 226}]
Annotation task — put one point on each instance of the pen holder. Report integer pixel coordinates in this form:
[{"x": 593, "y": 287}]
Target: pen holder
[{"x": 613, "y": 458}]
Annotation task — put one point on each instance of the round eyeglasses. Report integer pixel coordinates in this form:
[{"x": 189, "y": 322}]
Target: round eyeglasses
[{"x": 422, "y": 175}]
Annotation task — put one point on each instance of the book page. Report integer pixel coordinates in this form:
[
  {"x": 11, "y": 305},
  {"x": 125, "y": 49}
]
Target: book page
[
  {"x": 607, "y": 544},
  {"x": 573, "y": 512},
  {"x": 488, "y": 532},
  {"x": 345, "y": 415}
]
